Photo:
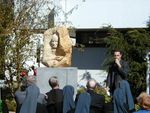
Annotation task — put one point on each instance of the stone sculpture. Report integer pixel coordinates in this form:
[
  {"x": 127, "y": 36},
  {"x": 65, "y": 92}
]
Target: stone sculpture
[{"x": 57, "y": 51}]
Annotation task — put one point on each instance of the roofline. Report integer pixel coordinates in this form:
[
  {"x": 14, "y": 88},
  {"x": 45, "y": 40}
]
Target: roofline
[{"x": 93, "y": 29}]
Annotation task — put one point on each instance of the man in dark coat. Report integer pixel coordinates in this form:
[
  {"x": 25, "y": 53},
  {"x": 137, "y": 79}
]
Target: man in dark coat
[
  {"x": 54, "y": 97},
  {"x": 118, "y": 71},
  {"x": 97, "y": 100}
]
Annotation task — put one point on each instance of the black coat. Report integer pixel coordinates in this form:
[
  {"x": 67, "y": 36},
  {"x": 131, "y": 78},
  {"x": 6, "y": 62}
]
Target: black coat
[
  {"x": 55, "y": 101},
  {"x": 116, "y": 74},
  {"x": 97, "y": 102},
  {"x": 41, "y": 108}
]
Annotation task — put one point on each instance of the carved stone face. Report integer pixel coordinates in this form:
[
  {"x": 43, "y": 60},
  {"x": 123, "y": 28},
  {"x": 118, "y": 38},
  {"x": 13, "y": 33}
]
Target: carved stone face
[{"x": 54, "y": 41}]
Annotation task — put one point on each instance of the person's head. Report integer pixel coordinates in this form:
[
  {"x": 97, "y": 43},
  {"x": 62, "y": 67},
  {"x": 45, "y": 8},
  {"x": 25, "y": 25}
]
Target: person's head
[
  {"x": 31, "y": 80},
  {"x": 144, "y": 100},
  {"x": 53, "y": 82},
  {"x": 68, "y": 101},
  {"x": 23, "y": 87},
  {"x": 54, "y": 41},
  {"x": 118, "y": 54},
  {"x": 91, "y": 84},
  {"x": 68, "y": 90}
]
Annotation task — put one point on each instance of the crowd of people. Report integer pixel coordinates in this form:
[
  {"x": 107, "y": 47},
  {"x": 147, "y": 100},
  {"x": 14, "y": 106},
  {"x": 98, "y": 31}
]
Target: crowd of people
[{"x": 30, "y": 100}]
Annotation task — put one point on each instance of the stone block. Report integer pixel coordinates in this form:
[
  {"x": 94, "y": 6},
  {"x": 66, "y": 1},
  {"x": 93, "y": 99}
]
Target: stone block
[{"x": 66, "y": 76}]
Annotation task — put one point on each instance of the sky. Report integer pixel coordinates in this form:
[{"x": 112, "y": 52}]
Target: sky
[{"x": 100, "y": 13}]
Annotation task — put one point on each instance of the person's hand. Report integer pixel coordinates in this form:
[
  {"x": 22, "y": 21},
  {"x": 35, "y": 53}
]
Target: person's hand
[
  {"x": 107, "y": 89},
  {"x": 118, "y": 63},
  {"x": 46, "y": 97}
]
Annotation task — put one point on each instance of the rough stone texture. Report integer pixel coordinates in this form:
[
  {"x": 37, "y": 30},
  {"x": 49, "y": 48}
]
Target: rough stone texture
[
  {"x": 66, "y": 76},
  {"x": 64, "y": 49}
]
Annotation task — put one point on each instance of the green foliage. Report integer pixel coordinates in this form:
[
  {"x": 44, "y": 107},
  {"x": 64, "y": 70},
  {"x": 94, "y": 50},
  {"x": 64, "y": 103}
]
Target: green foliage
[
  {"x": 81, "y": 90},
  {"x": 11, "y": 104},
  {"x": 137, "y": 107},
  {"x": 1, "y": 106},
  {"x": 115, "y": 40},
  {"x": 135, "y": 44},
  {"x": 102, "y": 91}
]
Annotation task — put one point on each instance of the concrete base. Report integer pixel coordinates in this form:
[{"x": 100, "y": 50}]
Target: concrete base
[{"x": 66, "y": 76}]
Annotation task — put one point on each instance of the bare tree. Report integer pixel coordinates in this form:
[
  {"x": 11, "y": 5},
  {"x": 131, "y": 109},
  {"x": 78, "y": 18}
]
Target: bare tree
[{"x": 19, "y": 20}]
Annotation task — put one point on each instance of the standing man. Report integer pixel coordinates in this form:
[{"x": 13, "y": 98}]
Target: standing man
[
  {"x": 118, "y": 70},
  {"x": 97, "y": 100},
  {"x": 54, "y": 97}
]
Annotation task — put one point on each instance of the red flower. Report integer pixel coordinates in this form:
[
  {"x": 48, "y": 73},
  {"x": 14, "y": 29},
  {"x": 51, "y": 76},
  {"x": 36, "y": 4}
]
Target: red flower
[{"x": 23, "y": 73}]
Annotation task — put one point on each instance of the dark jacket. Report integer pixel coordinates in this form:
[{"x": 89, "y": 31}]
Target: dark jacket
[
  {"x": 41, "y": 108},
  {"x": 97, "y": 102},
  {"x": 55, "y": 101},
  {"x": 116, "y": 74}
]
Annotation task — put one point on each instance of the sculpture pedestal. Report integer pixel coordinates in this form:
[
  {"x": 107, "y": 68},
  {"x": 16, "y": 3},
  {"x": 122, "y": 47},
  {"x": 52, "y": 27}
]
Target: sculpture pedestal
[{"x": 66, "y": 76}]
